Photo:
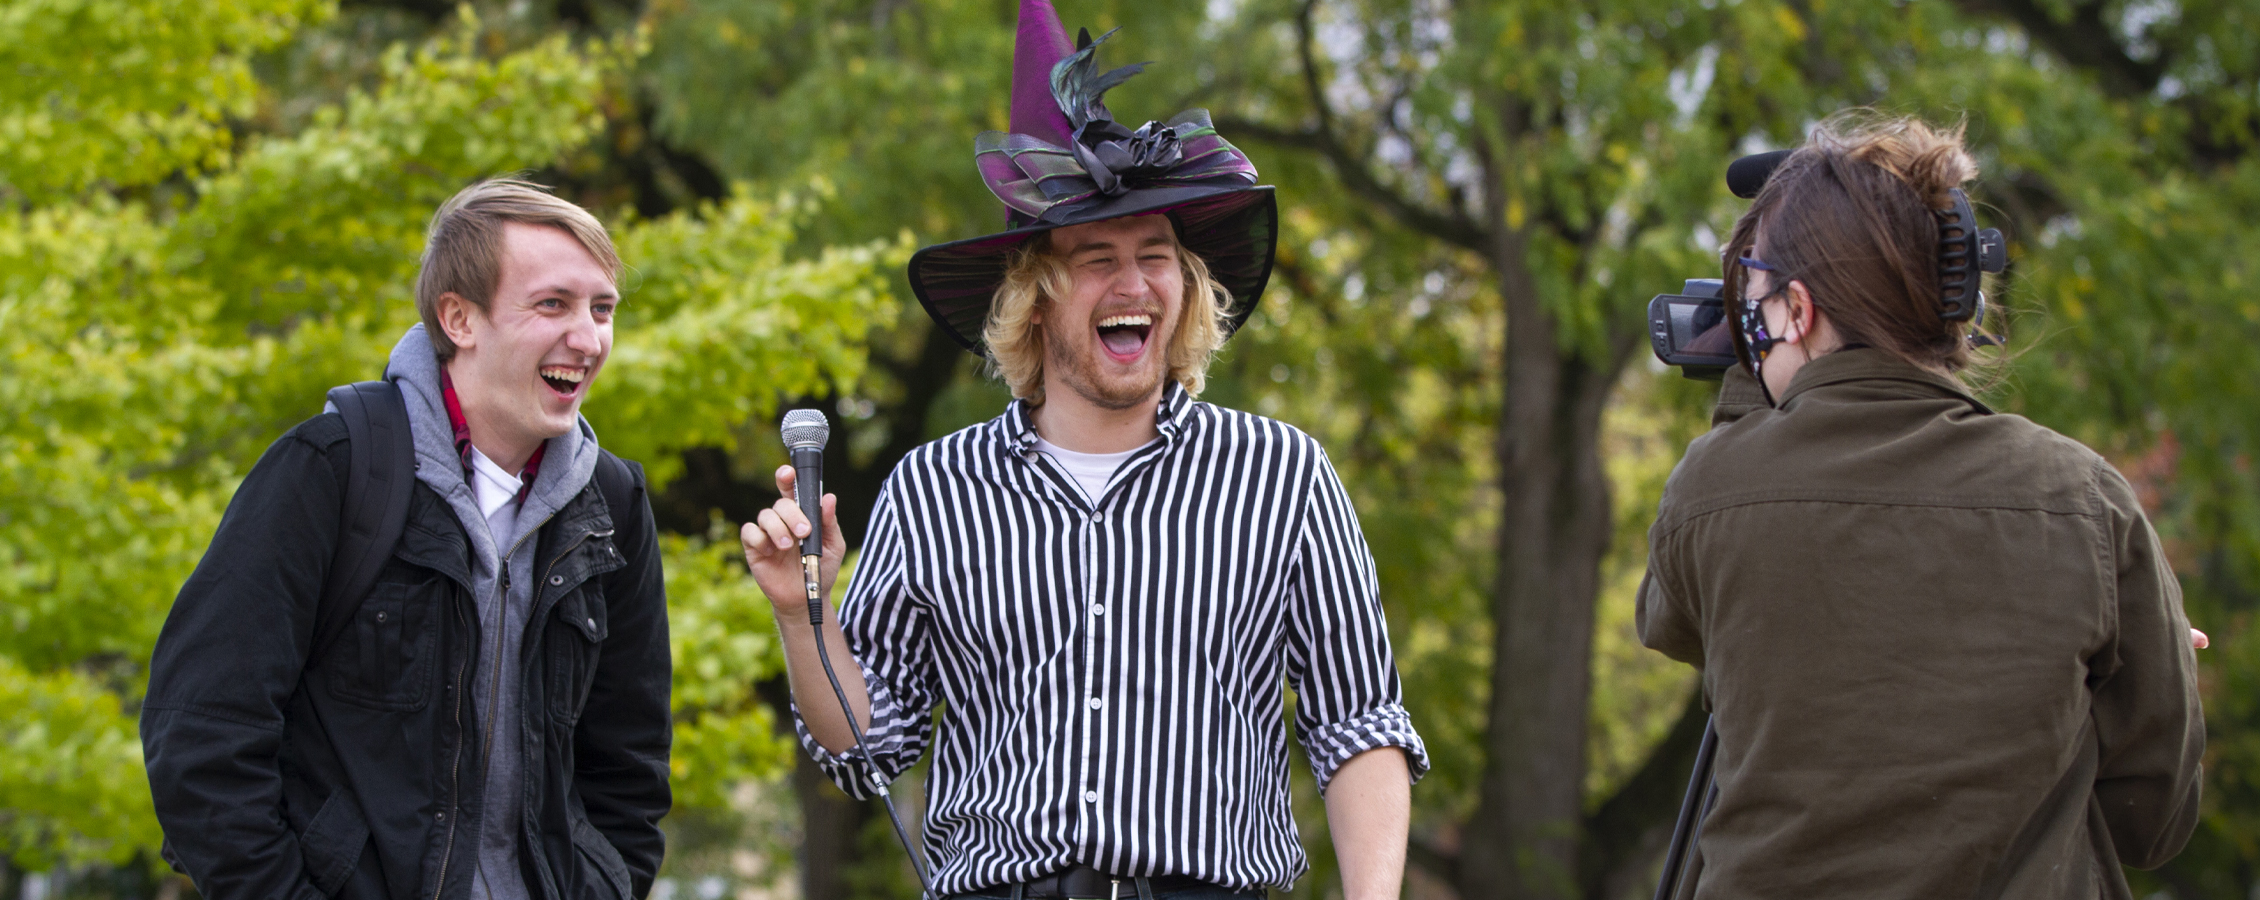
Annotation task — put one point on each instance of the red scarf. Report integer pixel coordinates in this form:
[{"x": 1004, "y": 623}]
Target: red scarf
[{"x": 462, "y": 429}]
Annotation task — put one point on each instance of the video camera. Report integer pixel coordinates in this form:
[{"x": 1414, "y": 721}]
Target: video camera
[{"x": 1691, "y": 329}]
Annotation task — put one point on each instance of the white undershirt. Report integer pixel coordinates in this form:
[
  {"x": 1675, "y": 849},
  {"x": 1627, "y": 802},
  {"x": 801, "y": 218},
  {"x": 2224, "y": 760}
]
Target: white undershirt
[
  {"x": 1092, "y": 471},
  {"x": 496, "y": 490}
]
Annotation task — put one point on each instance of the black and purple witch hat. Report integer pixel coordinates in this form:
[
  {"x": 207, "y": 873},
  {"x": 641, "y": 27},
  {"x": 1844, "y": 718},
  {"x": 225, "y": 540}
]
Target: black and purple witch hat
[{"x": 1067, "y": 162}]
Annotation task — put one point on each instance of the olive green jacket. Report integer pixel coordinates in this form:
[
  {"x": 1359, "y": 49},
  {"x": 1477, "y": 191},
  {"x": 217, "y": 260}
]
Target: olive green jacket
[{"x": 1944, "y": 653}]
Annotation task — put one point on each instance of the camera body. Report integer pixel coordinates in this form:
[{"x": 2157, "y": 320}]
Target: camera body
[{"x": 1689, "y": 329}]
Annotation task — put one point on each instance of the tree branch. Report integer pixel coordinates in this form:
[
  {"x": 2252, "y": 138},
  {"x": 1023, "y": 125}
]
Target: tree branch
[
  {"x": 1451, "y": 229},
  {"x": 1348, "y": 165},
  {"x": 2085, "y": 41},
  {"x": 1311, "y": 86}
]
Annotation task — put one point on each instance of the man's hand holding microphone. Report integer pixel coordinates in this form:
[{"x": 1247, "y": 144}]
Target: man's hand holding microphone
[
  {"x": 776, "y": 544},
  {"x": 796, "y": 563},
  {"x": 772, "y": 549}
]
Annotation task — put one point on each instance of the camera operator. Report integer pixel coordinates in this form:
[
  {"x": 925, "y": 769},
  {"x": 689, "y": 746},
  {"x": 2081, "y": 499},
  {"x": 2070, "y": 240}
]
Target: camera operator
[{"x": 1944, "y": 653}]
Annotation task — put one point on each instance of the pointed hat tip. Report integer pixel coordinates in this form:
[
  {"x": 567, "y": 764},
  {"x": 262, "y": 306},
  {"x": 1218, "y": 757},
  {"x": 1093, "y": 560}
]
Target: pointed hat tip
[{"x": 1039, "y": 45}]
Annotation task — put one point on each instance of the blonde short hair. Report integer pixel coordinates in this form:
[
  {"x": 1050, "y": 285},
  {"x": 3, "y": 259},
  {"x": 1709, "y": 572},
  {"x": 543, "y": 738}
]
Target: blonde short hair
[
  {"x": 463, "y": 245},
  {"x": 1035, "y": 275}
]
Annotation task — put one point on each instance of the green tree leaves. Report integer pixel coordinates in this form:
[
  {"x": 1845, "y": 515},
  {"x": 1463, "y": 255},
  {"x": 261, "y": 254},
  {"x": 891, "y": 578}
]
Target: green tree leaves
[
  {"x": 127, "y": 92},
  {"x": 68, "y": 747},
  {"x": 725, "y": 641},
  {"x": 725, "y": 321},
  {"x": 178, "y": 286}
]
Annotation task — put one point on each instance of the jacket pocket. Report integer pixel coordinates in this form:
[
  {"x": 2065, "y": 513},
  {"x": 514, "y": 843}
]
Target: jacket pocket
[
  {"x": 332, "y": 842},
  {"x": 605, "y": 874},
  {"x": 578, "y": 641},
  {"x": 384, "y": 658}
]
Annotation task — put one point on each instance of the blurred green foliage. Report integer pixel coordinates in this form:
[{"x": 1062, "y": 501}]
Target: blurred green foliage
[
  {"x": 211, "y": 212},
  {"x": 126, "y": 92},
  {"x": 2116, "y": 141},
  {"x": 176, "y": 288}
]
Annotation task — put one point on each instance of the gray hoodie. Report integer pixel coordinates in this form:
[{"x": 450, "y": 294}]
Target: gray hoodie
[{"x": 504, "y": 602}]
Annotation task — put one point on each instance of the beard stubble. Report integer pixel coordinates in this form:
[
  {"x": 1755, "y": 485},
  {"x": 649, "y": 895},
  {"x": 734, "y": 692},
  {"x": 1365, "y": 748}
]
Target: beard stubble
[{"x": 1079, "y": 370}]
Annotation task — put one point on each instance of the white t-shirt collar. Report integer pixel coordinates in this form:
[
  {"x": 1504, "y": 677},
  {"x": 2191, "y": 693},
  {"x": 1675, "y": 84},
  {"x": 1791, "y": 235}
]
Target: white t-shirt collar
[
  {"x": 495, "y": 487},
  {"x": 1091, "y": 471}
]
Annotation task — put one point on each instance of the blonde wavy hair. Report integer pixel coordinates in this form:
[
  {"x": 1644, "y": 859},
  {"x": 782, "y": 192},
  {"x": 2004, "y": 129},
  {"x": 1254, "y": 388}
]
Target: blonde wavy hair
[{"x": 1035, "y": 274}]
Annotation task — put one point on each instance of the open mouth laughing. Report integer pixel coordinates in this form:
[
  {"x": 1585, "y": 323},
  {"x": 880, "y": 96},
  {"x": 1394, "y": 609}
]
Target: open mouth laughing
[
  {"x": 1124, "y": 336},
  {"x": 565, "y": 380}
]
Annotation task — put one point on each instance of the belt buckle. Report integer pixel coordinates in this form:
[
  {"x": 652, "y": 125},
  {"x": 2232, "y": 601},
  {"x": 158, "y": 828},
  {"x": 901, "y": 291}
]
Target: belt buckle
[{"x": 1114, "y": 892}]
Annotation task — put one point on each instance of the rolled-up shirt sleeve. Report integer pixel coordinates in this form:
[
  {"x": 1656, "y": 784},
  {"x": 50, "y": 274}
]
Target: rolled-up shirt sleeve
[
  {"x": 1348, "y": 696},
  {"x": 891, "y": 637}
]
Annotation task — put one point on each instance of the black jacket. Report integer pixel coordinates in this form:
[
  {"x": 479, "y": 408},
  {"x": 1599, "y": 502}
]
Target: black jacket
[{"x": 357, "y": 776}]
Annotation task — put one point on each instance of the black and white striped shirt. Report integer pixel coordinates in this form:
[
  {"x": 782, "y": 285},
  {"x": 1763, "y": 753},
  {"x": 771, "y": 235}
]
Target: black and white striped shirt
[{"x": 1109, "y": 672}]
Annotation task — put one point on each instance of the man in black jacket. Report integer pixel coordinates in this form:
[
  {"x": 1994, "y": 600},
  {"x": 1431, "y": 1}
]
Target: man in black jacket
[{"x": 492, "y": 722}]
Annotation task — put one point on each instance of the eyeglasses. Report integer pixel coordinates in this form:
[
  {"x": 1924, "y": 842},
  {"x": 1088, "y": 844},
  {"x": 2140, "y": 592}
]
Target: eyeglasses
[{"x": 1753, "y": 319}]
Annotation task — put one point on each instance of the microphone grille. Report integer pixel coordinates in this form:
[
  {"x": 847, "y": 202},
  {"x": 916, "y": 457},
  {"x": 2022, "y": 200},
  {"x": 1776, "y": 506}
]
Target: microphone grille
[{"x": 805, "y": 428}]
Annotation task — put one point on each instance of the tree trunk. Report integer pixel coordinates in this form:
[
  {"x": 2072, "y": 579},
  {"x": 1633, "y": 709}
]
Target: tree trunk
[
  {"x": 1553, "y": 530},
  {"x": 831, "y": 823},
  {"x": 831, "y": 830},
  {"x": 1625, "y": 839}
]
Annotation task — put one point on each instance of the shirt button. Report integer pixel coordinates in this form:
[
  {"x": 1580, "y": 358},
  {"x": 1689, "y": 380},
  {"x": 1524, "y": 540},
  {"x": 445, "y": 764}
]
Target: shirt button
[
  {"x": 1090, "y": 796},
  {"x": 1098, "y": 609},
  {"x": 555, "y": 580},
  {"x": 592, "y": 624},
  {"x": 1096, "y": 703}
]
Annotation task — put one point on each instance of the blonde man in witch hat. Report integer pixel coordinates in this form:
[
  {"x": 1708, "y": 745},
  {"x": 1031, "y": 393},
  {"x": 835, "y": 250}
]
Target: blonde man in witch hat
[{"x": 1103, "y": 588}]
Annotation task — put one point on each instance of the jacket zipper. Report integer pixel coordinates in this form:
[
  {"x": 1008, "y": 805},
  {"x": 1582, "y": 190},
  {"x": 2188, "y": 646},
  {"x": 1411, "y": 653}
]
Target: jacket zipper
[
  {"x": 504, "y": 581},
  {"x": 487, "y": 746},
  {"x": 454, "y": 774},
  {"x": 501, "y": 618}
]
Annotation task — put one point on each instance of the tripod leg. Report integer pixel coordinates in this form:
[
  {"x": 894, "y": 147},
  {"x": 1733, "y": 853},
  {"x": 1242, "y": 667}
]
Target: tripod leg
[{"x": 1701, "y": 794}]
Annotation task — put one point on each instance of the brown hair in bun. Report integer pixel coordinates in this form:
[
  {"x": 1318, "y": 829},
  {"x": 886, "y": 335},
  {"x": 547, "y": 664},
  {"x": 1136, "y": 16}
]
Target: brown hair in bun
[{"x": 1852, "y": 214}]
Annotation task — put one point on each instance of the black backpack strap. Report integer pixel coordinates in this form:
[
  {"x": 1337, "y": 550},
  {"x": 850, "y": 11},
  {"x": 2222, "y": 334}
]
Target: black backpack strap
[
  {"x": 380, "y": 471},
  {"x": 622, "y": 486}
]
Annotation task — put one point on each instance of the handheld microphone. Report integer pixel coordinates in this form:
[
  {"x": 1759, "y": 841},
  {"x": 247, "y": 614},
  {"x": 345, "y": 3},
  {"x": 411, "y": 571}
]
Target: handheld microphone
[{"x": 805, "y": 432}]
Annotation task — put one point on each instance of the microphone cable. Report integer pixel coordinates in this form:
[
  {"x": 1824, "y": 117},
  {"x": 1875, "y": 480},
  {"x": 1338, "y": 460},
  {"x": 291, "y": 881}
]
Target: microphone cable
[
  {"x": 809, "y": 565},
  {"x": 805, "y": 432}
]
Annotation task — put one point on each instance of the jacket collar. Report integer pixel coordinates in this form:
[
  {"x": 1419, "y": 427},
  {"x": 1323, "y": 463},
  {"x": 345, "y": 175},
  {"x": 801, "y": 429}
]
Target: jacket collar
[
  {"x": 1870, "y": 364},
  {"x": 1169, "y": 418}
]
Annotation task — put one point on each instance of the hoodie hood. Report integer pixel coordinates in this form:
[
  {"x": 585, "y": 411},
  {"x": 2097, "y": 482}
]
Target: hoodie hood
[{"x": 568, "y": 460}]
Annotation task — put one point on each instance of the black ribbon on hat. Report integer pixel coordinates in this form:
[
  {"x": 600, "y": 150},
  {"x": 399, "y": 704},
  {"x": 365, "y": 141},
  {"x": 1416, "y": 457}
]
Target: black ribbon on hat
[{"x": 1115, "y": 156}]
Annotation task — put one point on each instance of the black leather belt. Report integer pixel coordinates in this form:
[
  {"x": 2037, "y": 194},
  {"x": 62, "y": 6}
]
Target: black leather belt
[{"x": 1086, "y": 883}]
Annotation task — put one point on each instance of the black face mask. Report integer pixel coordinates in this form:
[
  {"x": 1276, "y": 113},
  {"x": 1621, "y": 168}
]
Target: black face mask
[{"x": 1750, "y": 321}]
